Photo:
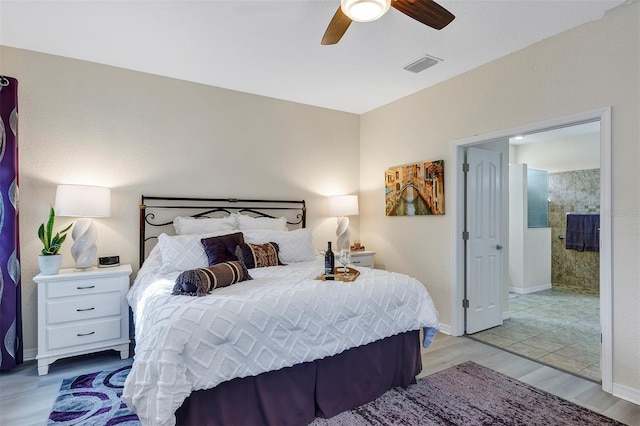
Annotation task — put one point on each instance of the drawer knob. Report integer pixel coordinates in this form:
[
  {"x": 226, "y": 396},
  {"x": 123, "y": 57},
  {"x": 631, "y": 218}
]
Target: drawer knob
[
  {"x": 86, "y": 287},
  {"x": 86, "y": 309},
  {"x": 85, "y": 334}
]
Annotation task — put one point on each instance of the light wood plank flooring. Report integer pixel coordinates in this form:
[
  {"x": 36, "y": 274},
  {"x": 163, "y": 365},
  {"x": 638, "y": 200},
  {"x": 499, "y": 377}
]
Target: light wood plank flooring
[{"x": 26, "y": 398}]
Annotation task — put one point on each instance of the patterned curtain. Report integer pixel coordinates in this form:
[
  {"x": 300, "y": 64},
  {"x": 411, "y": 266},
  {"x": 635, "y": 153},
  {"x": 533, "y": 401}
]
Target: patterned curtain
[{"x": 10, "y": 289}]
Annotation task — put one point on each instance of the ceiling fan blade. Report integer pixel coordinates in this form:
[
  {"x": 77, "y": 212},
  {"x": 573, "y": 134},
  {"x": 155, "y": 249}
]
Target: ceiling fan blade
[
  {"x": 337, "y": 27},
  {"x": 428, "y": 12}
]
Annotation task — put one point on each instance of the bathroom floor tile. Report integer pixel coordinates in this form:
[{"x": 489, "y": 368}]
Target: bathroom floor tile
[
  {"x": 544, "y": 344},
  {"x": 563, "y": 362},
  {"x": 592, "y": 371},
  {"x": 558, "y": 327},
  {"x": 578, "y": 355},
  {"x": 527, "y": 350}
]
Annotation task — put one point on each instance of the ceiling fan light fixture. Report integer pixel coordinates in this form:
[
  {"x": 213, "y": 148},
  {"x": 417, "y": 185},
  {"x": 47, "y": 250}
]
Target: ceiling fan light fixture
[{"x": 364, "y": 10}]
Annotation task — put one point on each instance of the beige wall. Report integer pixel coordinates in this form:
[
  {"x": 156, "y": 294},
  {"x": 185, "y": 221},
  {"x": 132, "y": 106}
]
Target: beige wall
[
  {"x": 590, "y": 67},
  {"x": 141, "y": 134}
]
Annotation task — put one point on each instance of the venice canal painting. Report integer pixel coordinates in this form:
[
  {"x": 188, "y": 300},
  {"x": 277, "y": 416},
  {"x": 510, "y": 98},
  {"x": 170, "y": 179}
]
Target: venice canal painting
[{"x": 415, "y": 189}]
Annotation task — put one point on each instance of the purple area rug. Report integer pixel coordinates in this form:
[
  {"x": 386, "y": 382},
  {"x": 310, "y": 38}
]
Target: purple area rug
[
  {"x": 93, "y": 400},
  {"x": 467, "y": 394}
]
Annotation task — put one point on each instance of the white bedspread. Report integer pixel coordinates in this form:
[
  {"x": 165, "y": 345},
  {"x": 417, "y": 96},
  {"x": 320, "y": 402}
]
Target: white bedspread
[{"x": 280, "y": 318}]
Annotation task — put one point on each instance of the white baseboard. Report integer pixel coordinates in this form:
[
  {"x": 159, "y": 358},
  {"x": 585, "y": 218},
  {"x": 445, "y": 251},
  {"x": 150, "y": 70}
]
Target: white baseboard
[
  {"x": 626, "y": 393},
  {"x": 445, "y": 328},
  {"x": 520, "y": 290},
  {"x": 29, "y": 354}
]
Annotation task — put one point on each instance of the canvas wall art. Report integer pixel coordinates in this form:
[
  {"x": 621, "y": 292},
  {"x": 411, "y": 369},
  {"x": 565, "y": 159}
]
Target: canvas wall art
[{"x": 415, "y": 189}]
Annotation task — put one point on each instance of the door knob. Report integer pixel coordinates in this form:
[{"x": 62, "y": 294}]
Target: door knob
[{"x": 498, "y": 247}]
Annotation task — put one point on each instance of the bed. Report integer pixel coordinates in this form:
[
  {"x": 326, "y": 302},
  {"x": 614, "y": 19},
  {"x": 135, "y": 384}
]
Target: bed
[{"x": 280, "y": 348}]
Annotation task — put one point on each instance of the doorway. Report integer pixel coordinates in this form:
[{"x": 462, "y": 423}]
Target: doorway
[
  {"x": 553, "y": 307},
  {"x": 458, "y": 290}
]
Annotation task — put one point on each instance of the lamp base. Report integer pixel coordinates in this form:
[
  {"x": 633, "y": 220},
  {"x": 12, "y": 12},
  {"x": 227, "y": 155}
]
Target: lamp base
[
  {"x": 90, "y": 268},
  {"x": 84, "y": 249},
  {"x": 343, "y": 233}
]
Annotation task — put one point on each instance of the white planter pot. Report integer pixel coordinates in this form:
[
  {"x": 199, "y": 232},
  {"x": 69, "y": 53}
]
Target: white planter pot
[{"x": 50, "y": 265}]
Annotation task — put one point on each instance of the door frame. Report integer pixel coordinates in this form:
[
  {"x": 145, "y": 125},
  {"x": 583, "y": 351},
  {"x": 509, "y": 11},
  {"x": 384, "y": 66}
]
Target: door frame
[{"x": 457, "y": 265}]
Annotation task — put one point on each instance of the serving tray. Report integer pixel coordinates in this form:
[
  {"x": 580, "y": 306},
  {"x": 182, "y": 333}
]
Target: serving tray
[{"x": 352, "y": 274}]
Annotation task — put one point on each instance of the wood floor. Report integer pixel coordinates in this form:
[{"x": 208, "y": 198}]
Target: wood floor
[{"x": 26, "y": 398}]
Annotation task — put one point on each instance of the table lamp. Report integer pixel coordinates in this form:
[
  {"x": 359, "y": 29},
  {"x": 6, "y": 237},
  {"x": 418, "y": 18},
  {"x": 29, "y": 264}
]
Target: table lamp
[
  {"x": 83, "y": 201},
  {"x": 343, "y": 206}
]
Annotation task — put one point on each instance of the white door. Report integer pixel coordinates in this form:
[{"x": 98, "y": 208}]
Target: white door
[{"x": 484, "y": 245}]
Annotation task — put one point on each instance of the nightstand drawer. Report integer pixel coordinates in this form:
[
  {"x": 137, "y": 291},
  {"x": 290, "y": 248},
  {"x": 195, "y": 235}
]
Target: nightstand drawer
[
  {"x": 81, "y": 287},
  {"x": 82, "y": 308},
  {"x": 362, "y": 258},
  {"x": 365, "y": 261},
  {"x": 80, "y": 334}
]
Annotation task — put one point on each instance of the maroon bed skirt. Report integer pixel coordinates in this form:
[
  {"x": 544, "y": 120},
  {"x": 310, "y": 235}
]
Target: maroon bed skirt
[{"x": 323, "y": 388}]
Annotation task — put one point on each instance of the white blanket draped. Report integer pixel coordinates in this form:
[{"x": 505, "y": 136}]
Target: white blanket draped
[{"x": 280, "y": 318}]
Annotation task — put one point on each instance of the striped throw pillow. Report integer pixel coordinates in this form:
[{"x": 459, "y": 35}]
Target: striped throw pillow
[{"x": 199, "y": 282}]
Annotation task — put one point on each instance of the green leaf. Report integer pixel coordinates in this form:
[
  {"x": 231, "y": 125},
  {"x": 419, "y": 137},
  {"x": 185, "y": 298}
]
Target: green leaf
[
  {"x": 49, "y": 231},
  {"x": 41, "y": 235}
]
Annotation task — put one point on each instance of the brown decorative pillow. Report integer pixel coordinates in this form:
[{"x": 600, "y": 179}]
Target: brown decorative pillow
[
  {"x": 199, "y": 282},
  {"x": 222, "y": 248},
  {"x": 258, "y": 255}
]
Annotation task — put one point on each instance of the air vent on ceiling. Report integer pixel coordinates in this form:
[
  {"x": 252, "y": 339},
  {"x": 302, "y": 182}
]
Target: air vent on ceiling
[{"x": 422, "y": 64}]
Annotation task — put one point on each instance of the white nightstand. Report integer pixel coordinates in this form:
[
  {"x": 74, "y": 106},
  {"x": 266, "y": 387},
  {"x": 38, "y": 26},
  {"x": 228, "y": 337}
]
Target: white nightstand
[
  {"x": 81, "y": 312},
  {"x": 360, "y": 258}
]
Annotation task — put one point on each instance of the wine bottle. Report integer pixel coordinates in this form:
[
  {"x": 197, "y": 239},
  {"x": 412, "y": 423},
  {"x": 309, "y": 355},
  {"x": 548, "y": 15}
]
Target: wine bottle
[{"x": 329, "y": 261}]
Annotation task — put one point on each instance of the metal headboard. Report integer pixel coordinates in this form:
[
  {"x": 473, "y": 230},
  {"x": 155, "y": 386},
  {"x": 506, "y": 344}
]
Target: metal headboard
[{"x": 157, "y": 213}]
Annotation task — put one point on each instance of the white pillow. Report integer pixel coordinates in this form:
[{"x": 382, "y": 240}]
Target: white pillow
[
  {"x": 295, "y": 246},
  {"x": 244, "y": 222},
  {"x": 184, "y": 252},
  {"x": 192, "y": 225}
]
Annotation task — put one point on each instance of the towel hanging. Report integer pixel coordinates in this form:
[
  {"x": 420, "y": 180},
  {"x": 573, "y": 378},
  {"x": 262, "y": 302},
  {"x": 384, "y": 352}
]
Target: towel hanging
[{"x": 583, "y": 232}]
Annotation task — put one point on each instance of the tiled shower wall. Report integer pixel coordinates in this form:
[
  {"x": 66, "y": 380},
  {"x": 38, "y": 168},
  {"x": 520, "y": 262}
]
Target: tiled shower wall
[{"x": 573, "y": 192}]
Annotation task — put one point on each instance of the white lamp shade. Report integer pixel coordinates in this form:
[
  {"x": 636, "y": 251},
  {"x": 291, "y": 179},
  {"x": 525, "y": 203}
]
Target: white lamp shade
[
  {"x": 83, "y": 201},
  {"x": 343, "y": 205}
]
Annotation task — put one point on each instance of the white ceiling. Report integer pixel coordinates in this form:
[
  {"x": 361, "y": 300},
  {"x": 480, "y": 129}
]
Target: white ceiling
[{"x": 272, "y": 47}]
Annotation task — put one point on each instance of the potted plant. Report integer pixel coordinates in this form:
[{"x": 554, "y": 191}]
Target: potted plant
[{"x": 49, "y": 258}]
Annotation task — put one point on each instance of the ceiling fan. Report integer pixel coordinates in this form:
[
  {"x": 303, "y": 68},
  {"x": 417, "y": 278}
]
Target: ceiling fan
[{"x": 428, "y": 12}]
